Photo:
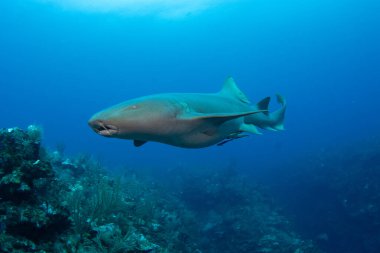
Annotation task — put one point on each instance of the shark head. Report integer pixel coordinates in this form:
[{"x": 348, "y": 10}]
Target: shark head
[{"x": 137, "y": 119}]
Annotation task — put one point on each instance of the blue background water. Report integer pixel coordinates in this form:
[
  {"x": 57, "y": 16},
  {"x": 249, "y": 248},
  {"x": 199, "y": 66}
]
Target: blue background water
[{"x": 58, "y": 66}]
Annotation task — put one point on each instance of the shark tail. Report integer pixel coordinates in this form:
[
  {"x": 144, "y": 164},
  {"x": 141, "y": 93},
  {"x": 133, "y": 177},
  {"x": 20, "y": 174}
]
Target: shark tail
[
  {"x": 271, "y": 121},
  {"x": 279, "y": 115}
]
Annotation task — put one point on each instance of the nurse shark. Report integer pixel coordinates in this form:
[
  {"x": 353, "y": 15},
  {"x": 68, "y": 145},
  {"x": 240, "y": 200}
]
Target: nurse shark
[{"x": 189, "y": 120}]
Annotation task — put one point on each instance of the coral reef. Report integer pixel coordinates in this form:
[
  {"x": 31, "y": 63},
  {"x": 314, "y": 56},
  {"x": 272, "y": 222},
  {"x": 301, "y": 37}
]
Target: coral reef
[
  {"x": 51, "y": 203},
  {"x": 237, "y": 217},
  {"x": 31, "y": 214}
]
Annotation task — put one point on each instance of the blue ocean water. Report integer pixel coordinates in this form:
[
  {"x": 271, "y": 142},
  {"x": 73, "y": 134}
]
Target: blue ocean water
[{"x": 61, "y": 63}]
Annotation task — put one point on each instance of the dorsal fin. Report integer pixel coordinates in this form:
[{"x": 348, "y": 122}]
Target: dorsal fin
[
  {"x": 263, "y": 105},
  {"x": 230, "y": 89}
]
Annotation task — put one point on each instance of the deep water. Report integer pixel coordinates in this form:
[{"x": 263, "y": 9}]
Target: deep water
[{"x": 59, "y": 65}]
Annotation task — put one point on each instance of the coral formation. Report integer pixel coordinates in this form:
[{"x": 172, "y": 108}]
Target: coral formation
[
  {"x": 51, "y": 203},
  {"x": 31, "y": 214},
  {"x": 237, "y": 216}
]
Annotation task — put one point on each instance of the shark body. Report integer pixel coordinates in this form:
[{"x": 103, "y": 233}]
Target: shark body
[{"x": 189, "y": 120}]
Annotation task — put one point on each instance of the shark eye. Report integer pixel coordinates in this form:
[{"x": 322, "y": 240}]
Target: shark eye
[{"x": 132, "y": 107}]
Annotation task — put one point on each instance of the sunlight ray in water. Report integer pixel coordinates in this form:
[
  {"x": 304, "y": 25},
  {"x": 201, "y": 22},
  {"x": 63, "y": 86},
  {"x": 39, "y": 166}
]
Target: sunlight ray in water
[{"x": 162, "y": 8}]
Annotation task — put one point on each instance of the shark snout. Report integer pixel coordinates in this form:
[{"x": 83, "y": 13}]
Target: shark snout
[{"x": 103, "y": 128}]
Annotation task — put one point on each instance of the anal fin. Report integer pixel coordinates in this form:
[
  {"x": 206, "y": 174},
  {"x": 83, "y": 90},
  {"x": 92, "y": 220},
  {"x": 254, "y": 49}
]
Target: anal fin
[{"x": 250, "y": 128}]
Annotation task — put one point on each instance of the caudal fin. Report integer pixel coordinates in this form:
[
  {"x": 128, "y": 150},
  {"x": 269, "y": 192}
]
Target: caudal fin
[{"x": 279, "y": 115}]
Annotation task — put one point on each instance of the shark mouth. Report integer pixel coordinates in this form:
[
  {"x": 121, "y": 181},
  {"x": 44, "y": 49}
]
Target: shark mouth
[{"x": 103, "y": 129}]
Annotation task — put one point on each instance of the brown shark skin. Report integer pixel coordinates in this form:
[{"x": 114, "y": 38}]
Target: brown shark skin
[{"x": 188, "y": 120}]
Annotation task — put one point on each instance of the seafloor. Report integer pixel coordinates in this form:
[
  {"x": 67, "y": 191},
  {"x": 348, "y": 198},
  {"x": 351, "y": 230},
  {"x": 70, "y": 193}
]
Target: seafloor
[{"x": 53, "y": 203}]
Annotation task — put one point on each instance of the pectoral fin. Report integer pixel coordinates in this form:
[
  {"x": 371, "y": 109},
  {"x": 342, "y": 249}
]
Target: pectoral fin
[
  {"x": 138, "y": 143},
  {"x": 216, "y": 118}
]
